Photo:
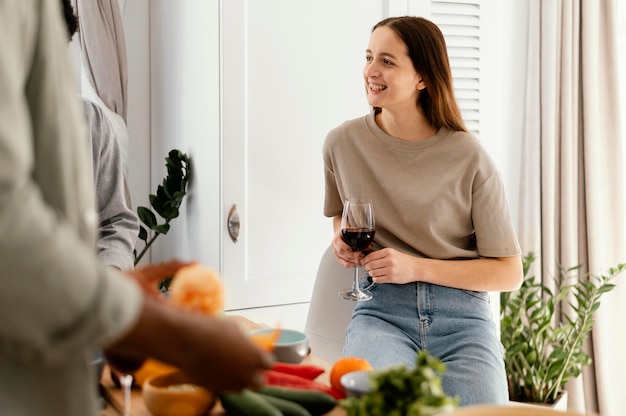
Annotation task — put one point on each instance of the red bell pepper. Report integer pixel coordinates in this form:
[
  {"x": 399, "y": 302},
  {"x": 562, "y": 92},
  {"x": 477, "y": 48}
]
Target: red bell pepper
[
  {"x": 275, "y": 378},
  {"x": 308, "y": 371}
]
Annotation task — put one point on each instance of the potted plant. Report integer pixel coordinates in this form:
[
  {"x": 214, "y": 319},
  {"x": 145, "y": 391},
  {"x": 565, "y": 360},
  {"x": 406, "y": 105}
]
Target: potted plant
[
  {"x": 166, "y": 202},
  {"x": 543, "y": 330}
]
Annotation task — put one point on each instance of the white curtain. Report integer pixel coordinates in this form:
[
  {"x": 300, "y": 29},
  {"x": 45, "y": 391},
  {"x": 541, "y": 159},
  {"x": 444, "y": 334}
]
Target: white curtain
[
  {"x": 571, "y": 204},
  {"x": 104, "y": 67},
  {"x": 104, "y": 51}
]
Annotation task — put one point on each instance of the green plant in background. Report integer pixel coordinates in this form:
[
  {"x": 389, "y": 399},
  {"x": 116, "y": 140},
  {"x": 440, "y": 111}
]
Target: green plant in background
[
  {"x": 542, "y": 352},
  {"x": 402, "y": 391},
  {"x": 166, "y": 203}
]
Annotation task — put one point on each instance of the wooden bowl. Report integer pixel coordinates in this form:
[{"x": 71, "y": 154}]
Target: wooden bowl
[{"x": 172, "y": 394}]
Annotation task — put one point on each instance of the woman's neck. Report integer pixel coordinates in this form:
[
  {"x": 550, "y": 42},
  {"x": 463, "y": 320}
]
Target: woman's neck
[{"x": 411, "y": 127}]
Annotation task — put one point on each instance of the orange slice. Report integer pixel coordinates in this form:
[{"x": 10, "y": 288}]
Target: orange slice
[{"x": 266, "y": 340}]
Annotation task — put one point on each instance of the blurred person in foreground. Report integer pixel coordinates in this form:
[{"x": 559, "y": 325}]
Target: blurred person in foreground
[{"x": 58, "y": 301}]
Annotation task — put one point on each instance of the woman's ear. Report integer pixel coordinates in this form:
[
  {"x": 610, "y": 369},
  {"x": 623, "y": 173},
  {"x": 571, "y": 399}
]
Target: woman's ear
[{"x": 420, "y": 85}]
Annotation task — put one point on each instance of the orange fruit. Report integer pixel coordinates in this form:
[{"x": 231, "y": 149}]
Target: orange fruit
[
  {"x": 151, "y": 368},
  {"x": 198, "y": 288},
  {"x": 343, "y": 366},
  {"x": 266, "y": 340}
]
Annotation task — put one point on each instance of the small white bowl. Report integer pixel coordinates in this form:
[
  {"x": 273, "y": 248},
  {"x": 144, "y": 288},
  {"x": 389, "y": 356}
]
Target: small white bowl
[
  {"x": 292, "y": 346},
  {"x": 356, "y": 383}
]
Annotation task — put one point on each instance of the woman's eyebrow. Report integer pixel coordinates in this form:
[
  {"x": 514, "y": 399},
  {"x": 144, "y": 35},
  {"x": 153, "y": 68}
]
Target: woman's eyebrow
[{"x": 385, "y": 54}]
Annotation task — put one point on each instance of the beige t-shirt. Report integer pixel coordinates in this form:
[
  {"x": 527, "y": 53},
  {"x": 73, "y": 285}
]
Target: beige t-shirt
[{"x": 440, "y": 198}]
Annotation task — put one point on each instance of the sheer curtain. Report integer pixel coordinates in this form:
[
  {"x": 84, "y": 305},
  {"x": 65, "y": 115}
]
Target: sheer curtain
[
  {"x": 104, "y": 68},
  {"x": 572, "y": 206},
  {"x": 103, "y": 52}
]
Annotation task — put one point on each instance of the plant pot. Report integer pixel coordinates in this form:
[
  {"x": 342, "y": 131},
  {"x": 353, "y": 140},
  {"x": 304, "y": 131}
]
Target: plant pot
[{"x": 559, "y": 404}]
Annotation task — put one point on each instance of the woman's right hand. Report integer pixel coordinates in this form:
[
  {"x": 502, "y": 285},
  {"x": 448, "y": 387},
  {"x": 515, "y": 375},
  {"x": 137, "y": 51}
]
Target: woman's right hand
[{"x": 345, "y": 256}]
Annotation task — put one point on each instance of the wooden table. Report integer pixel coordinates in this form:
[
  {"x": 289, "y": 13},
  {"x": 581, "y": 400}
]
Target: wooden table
[{"x": 137, "y": 405}]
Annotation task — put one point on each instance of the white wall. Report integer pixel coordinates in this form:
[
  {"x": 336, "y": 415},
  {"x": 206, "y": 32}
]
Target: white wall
[
  {"x": 503, "y": 84},
  {"x": 186, "y": 116}
]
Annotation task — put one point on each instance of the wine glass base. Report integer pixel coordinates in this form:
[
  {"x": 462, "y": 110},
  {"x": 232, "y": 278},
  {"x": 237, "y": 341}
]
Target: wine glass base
[{"x": 354, "y": 295}]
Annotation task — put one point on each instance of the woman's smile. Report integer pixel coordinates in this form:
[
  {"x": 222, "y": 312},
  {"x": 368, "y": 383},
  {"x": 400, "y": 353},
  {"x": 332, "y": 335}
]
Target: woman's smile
[{"x": 376, "y": 88}]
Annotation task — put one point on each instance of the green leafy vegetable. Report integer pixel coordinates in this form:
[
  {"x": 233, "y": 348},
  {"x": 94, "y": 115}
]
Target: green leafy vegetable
[{"x": 402, "y": 391}]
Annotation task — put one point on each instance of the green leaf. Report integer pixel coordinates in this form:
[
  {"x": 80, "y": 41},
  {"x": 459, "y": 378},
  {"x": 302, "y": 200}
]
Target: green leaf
[
  {"x": 176, "y": 157},
  {"x": 179, "y": 195},
  {"x": 514, "y": 349},
  {"x": 157, "y": 204},
  {"x": 143, "y": 234},
  {"x": 162, "y": 228},
  {"x": 172, "y": 184},
  {"x": 606, "y": 288},
  {"x": 147, "y": 217},
  {"x": 162, "y": 195}
]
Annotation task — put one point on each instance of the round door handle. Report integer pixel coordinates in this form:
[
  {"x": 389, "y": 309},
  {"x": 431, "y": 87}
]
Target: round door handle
[{"x": 233, "y": 223}]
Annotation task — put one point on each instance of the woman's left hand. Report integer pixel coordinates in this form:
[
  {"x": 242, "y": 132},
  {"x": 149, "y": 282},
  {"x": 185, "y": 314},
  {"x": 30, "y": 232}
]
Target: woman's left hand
[
  {"x": 492, "y": 274},
  {"x": 388, "y": 265}
]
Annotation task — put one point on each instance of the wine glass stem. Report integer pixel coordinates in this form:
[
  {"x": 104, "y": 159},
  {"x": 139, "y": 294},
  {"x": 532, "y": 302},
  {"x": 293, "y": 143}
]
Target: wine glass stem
[
  {"x": 355, "y": 283},
  {"x": 126, "y": 381}
]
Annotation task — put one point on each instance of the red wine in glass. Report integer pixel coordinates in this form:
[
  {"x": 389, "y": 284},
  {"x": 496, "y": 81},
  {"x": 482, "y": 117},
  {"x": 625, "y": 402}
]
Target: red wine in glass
[
  {"x": 357, "y": 230},
  {"x": 358, "y": 238}
]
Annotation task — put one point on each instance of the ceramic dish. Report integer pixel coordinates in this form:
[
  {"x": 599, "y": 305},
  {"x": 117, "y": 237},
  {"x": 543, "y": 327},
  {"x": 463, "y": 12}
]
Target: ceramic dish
[
  {"x": 356, "y": 383},
  {"x": 292, "y": 346}
]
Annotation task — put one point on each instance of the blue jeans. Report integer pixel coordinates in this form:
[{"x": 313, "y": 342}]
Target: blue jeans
[{"x": 452, "y": 324}]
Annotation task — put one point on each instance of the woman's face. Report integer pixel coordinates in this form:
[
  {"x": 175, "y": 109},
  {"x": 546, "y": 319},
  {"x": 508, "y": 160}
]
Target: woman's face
[{"x": 390, "y": 79}]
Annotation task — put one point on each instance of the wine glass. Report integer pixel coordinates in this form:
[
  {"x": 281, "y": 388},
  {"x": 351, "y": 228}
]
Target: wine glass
[{"x": 357, "y": 230}]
